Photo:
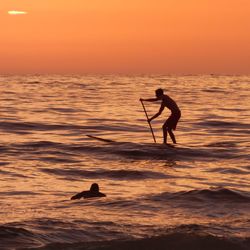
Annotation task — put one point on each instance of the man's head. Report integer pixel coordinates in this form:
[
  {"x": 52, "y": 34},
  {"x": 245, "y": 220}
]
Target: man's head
[
  {"x": 94, "y": 187},
  {"x": 159, "y": 93}
]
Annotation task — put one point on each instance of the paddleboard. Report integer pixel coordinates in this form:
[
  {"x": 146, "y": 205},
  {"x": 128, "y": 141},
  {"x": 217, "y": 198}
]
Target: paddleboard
[
  {"x": 100, "y": 139},
  {"x": 112, "y": 141}
]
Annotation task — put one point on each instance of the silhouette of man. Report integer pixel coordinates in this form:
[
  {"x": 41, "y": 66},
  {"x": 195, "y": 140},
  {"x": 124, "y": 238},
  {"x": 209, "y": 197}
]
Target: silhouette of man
[
  {"x": 91, "y": 193},
  {"x": 173, "y": 119}
]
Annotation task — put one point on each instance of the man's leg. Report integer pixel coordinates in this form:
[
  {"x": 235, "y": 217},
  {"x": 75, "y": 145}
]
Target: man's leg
[
  {"x": 165, "y": 132},
  {"x": 171, "y": 135}
]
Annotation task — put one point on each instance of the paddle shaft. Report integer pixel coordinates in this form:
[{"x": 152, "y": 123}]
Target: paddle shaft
[{"x": 148, "y": 121}]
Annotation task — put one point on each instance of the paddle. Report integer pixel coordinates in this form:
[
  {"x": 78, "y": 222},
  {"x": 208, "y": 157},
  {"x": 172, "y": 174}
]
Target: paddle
[{"x": 148, "y": 121}]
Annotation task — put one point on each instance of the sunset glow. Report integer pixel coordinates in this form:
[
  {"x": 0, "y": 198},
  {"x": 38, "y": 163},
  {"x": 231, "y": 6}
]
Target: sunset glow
[
  {"x": 111, "y": 36},
  {"x": 16, "y": 12}
]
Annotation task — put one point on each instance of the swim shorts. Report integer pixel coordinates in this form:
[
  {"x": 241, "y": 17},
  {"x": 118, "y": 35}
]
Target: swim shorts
[{"x": 172, "y": 121}]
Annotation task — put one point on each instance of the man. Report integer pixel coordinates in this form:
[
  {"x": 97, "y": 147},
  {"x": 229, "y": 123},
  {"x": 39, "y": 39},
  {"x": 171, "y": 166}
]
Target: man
[
  {"x": 173, "y": 119},
  {"x": 91, "y": 193}
]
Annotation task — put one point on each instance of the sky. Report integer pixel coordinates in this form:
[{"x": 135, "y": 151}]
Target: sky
[{"x": 125, "y": 36}]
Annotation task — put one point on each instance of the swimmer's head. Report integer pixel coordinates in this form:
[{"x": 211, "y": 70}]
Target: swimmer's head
[
  {"x": 159, "y": 93},
  {"x": 94, "y": 187}
]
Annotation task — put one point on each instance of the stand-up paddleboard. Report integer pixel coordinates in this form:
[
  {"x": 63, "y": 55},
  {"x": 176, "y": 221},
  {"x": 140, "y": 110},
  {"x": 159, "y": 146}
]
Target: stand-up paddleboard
[
  {"x": 100, "y": 139},
  {"x": 172, "y": 146}
]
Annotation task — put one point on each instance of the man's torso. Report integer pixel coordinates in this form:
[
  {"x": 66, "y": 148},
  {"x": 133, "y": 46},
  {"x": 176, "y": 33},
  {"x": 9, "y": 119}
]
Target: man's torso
[{"x": 169, "y": 103}]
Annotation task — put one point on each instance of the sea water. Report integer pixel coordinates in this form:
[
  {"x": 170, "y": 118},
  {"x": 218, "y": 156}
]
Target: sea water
[{"x": 194, "y": 195}]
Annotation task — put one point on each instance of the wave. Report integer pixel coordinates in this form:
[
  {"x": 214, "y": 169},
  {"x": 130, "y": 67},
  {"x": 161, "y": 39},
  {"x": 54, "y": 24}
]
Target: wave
[
  {"x": 61, "y": 152},
  {"x": 176, "y": 241},
  {"x": 16, "y": 193},
  {"x": 33, "y": 126},
  {"x": 212, "y": 194},
  {"x": 156, "y": 151},
  {"x": 190, "y": 237},
  {"x": 17, "y": 238},
  {"x": 18, "y": 127},
  {"x": 216, "y": 123},
  {"x": 108, "y": 174},
  {"x": 223, "y": 144},
  {"x": 11, "y": 174},
  {"x": 235, "y": 171}
]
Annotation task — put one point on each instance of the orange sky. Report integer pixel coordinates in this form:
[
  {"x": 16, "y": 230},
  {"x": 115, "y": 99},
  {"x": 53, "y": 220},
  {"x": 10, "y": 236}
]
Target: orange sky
[{"x": 125, "y": 36}]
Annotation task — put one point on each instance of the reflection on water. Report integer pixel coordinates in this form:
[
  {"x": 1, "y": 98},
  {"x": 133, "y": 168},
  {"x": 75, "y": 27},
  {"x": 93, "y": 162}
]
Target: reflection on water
[{"x": 201, "y": 184}]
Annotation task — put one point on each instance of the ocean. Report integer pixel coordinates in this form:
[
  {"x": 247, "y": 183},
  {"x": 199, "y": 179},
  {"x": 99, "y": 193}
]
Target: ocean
[{"x": 192, "y": 195}]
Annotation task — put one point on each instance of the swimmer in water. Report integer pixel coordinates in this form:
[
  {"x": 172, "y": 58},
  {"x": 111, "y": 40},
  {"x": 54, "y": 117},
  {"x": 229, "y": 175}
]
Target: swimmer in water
[{"x": 92, "y": 193}]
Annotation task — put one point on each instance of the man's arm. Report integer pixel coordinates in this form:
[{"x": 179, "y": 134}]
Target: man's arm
[
  {"x": 157, "y": 114},
  {"x": 77, "y": 196},
  {"x": 149, "y": 100}
]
